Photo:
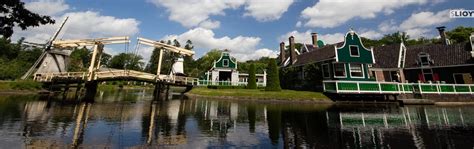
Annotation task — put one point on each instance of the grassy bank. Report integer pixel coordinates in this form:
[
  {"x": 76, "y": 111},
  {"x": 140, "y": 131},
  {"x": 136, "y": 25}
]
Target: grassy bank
[
  {"x": 19, "y": 85},
  {"x": 259, "y": 94}
]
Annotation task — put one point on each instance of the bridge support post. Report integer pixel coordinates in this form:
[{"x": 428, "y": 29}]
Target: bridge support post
[
  {"x": 95, "y": 61},
  {"x": 91, "y": 90},
  {"x": 157, "y": 91}
]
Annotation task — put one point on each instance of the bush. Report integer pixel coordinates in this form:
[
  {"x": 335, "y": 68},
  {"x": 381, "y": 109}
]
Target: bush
[
  {"x": 224, "y": 87},
  {"x": 273, "y": 79},
  {"x": 252, "y": 81},
  {"x": 25, "y": 85}
]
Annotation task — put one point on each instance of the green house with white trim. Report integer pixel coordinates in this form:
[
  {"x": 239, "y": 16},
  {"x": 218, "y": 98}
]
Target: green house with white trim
[
  {"x": 224, "y": 72},
  {"x": 348, "y": 60},
  {"x": 350, "y": 68}
]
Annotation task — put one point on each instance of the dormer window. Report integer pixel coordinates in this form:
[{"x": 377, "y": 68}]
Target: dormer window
[
  {"x": 225, "y": 63},
  {"x": 354, "y": 50},
  {"x": 424, "y": 59}
]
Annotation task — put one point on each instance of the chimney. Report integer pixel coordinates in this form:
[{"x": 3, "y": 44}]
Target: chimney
[
  {"x": 314, "y": 37},
  {"x": 282, "y": 53},
  {"x": 292, "y": 50},
  {"x": 442, "y": 34}
]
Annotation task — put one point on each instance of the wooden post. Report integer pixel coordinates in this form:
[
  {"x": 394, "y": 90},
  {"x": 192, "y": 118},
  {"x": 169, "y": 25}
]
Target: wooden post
[
  {"x": 96, "y": 54},
  {"x": 159, "y": 63}
]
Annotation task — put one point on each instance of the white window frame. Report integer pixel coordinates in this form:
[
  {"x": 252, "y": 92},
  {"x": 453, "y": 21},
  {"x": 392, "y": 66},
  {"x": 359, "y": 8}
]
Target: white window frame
[
  {"x": 362, "y": 70},
  {"x": 424, "y": 55},
  {"x": 454, "y": 76},
  {"x": 328, "y": 70},
  {"x": 350, "y": 51},
  {"x": 334, "y": 70},
  {"x": 224, "y": 62}
]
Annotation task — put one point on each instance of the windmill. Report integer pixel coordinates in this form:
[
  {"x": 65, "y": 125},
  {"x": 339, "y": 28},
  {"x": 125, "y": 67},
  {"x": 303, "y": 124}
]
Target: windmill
[{"x": 50, "y": 60}]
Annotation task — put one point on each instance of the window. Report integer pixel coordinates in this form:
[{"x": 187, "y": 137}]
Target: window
[
  {"x": 424, "y": 59},
  {"x": 325, "y": 70},
  {"x": 357, "y": 70},
  {"x": 354, "y": 50},
  {"x": 225, "y": 63},
  {"x": 339, "y": 70}
]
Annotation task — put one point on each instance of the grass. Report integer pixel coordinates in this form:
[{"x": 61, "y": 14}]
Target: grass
[
  {"x": 260, "y": 94},
  {"x": 20, "y": 85}
]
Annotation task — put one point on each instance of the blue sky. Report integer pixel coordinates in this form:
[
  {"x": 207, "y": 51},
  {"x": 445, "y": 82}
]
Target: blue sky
[{"x": 249, "y": 28}]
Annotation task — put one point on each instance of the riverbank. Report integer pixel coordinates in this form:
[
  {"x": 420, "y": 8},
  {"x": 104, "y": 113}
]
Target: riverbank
[
  {"x": 260, "y": 95},
  {"x": 19, "y": 87}
]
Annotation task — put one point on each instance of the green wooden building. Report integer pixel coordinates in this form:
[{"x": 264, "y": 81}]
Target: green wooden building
[{"x": 224, "y": 72}]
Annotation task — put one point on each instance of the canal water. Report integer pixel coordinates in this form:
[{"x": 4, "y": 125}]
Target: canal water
[{"x": 129, "y": 119}]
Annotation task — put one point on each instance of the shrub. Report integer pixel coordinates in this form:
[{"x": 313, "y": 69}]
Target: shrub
[
  {"x": 273, "y": 79},
  {"x": 252, "y": 81},
  {"x": 224, "y": 87}
]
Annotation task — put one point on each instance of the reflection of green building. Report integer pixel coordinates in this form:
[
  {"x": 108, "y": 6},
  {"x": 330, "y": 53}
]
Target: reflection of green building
[{"x": 224, "y": 72}]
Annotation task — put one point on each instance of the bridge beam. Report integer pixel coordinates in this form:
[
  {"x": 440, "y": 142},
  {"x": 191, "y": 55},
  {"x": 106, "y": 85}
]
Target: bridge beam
[
  {"x": 95, "y": 61},
  {"x": 160, "y": 58}
]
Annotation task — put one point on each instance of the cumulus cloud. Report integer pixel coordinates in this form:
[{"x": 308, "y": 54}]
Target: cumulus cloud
[
  {"x": 47, "y": 7},
  {"x": 243, "y": 48},
  {"x": 86, "y": 24},
  {"x": 418, "y": 25},
  {"x": 332, "y": 13},
  {"x": 267, "y": 10},
  {"x": 195, "y": 13},
  {"x": 81, "y": 24},
  {"x": 305, "y": 37}
]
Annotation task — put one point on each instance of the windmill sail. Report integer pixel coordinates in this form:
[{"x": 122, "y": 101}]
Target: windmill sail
[{"x": 47, "y": 54}]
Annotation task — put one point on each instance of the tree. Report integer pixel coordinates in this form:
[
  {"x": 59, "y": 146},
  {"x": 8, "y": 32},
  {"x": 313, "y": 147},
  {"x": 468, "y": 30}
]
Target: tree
[
  {"x": 189, "y": 63},
  {"x": 14, "y": 14},
  {"x": 273, "y": 79},
  {"x": 252, "y": 84},
  {"x": 460, "y": 34},
  {"x": 126, "y": 61},
  {"x": 207, "y": 61}
]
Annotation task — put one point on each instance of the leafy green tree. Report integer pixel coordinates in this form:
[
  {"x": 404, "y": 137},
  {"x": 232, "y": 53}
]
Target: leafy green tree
[
  {"x": 273, "y": 79},
  {"x": 79, "y": 59},
  {"x": 207, "y": 61},
  {"x": 252, "y": 81},
  {"x": 460, "y": 34},
  {"x": 189, "y": 63},
  {"x": 14, "y": 14},
  {"x": 126, "y": 61},
  {"x": 152, "y": 65}
]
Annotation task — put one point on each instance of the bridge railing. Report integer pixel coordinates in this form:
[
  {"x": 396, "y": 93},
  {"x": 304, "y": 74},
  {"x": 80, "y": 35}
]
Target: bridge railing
[
  {"x": 335, "y": 86},
  {"x": 47, "y": 77}
]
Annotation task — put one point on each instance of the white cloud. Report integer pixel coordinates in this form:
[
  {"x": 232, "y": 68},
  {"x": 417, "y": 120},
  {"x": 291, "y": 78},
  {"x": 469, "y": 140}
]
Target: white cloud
[
  {"x": 243, "y": 48},
  {"x": 47, "y": 7},
  {"x": 425, "y": 19},
  {"x": 192, "y": 13},
  {"x": 86, "y": 24},
  {"x": 305, "y": 37},
  {"x": 371, "y": 34},
  {"x": 418, "y": 25},
  {"x": 197, "y": 13},
  {"x": 332, "y": 13},
  {"x": 267, "y": 10}
]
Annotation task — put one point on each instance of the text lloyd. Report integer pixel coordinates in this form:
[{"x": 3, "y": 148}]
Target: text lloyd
[{"x": 462, "y": 13}]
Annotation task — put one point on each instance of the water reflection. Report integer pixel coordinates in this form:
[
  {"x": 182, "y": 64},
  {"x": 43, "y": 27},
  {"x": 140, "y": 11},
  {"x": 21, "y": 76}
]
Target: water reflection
[{"x": 130, "y": 118}]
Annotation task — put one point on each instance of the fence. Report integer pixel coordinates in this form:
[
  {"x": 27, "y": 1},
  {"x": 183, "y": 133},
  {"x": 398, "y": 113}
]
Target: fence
[{"x": 395, "y": 87}]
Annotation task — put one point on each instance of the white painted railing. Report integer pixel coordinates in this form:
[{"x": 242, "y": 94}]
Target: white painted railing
[{"x": 336, "y": 86}]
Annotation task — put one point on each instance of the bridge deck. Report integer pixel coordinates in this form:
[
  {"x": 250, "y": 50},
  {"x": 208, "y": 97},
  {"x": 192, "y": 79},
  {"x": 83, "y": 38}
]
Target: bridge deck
[{"x": 114, "y": 75}]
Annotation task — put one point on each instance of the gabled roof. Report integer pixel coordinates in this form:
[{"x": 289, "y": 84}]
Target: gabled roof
[
  {"x": 386, "y": 56},
  {"x": 317, "y": 54},
  {"x": 442, "y": 55}
]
